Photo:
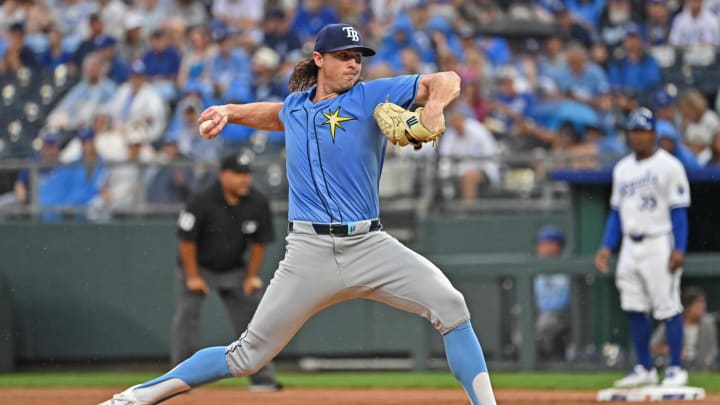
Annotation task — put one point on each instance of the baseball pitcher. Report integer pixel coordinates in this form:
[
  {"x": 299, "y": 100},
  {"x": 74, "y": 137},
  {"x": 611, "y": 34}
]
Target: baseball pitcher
[
  {"x": 336, "y": 249},
  {"x": 650, "y": 196}
]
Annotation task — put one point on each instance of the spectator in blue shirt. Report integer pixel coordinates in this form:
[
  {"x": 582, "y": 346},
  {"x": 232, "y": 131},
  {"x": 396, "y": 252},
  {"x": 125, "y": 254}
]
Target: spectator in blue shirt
[
  {"x": 441, "y": 40},
  {"x": 47, "y": 157},
  {"x": 55, "y": 54},
  {"x": 495, "y": 49},
  {"x": 75, "y": 185},
  {"x": 638, "y": 71},
  {"x": 659, "y": 22},
  {"x": 664, "y": 102},
  {"x": 89, "y": 44},
  {"x": 278, "y": 36},
  {"x": 552, "y": 297},
  {"x": 668, "y": 138},
  {"x": 570, "y": 30},
  {"x": 552, "y": 61},
  {"x": 399, "y": 38},
  {"x": 17, "y": 54},
  {"x": 311, "y": 16},
  {"x": 508, "y": 105},
  {"x": 581, "y": 79},
  {"x": 167, "y": 183},
  {"x": 267, "y": 85},
  {"x": 608, "y": 147},
  {"x": 117, "y": 70},
  {"x": 87, "y": 174},
  {"x": 183, "y": 128},
  {"x": 609, "y": 116},
  {"x": 162, "y": 64},
  {"x": 614, "y": 19},
  {"x": 230, "y": 69}
]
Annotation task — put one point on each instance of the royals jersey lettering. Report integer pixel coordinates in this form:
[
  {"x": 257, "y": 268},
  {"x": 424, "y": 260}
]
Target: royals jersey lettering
[{"x": 645, "y": 191}]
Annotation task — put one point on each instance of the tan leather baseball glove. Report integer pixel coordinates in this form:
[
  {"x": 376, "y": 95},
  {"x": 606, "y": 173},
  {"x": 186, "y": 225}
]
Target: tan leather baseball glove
[{"x": 403, "y": 127}]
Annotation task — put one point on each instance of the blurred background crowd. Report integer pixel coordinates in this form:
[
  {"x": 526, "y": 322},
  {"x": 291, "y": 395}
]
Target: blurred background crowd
[{"x": 111, "y": 89}]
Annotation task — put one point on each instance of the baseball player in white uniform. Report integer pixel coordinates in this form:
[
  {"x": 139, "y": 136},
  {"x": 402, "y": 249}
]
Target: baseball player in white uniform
[{"x": 650, "y": 196}]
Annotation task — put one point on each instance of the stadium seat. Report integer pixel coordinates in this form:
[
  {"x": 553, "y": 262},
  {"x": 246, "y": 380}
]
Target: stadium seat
[
  {"x": 26, "y": 98},
  {"x": 8, "y": 94},
  {"x": 699, "y": 56},
  {"x": 665, "y": 55},
  {"x": 681, "y": 75}
]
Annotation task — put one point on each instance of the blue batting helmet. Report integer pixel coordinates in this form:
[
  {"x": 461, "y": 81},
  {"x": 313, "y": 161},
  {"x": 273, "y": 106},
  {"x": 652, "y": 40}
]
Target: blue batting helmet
[{"x": 641, "y": 119}]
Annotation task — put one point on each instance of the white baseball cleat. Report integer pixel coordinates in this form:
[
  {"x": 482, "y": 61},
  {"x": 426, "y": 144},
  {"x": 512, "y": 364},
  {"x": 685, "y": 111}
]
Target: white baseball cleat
[
  {"x": 675, "y": 377},
  {"x": 638, "y": 377},
  {"x": 124, "y": 398}
]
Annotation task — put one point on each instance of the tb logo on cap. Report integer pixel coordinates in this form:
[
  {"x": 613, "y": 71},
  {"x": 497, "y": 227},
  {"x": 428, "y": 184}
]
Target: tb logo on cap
[{"x": 351, "y": 33}]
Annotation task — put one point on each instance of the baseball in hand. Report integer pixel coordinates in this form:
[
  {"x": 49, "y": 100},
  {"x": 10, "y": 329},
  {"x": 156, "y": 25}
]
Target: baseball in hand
[{"x": 205, "y": 126}]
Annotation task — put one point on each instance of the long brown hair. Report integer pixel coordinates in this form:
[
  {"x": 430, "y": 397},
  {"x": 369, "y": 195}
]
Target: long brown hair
[{"x": 304, "y": 75}]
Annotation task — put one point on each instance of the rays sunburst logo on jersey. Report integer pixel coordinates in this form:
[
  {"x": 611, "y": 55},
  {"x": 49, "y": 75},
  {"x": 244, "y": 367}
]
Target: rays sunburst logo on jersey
[{"x": 335, "y": 120}]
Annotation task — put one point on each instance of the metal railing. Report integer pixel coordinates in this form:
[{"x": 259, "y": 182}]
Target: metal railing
[{"x": 410, "y": 183}]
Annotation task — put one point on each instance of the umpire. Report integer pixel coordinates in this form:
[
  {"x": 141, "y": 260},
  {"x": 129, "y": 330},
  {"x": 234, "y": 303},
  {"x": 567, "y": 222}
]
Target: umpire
[{"x": 214, "y": 231}]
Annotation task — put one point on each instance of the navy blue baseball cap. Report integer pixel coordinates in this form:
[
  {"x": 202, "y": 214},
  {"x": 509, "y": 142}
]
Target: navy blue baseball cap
[
  {"x": 641, "y": 119},
  {"x": 104, "y": 41},
  {"x": 663, "y": 98},
  {"x": 632, "y": 28},
  {"x": 86, "y": 134},
  {"x": 51, "y": 138},
  {"x": 338, "y": 37},
  {"x": 551, "y": 233}
]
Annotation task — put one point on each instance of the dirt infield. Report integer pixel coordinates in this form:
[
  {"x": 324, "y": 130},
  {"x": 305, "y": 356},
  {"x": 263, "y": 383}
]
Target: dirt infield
[{"x": 230, "y": 396}]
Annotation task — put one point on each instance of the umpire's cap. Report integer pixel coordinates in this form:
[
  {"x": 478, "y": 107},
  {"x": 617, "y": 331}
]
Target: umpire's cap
[
  {"x": 551, "y": 233},
  {"x": 236, "y": 162},
  {"x": 338, "y": 37},
  {"x": 641, "y": 119}
]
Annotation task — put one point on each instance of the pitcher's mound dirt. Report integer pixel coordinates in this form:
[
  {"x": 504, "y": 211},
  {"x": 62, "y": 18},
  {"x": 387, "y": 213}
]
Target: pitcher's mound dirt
[{"x": 239, "y": 396}]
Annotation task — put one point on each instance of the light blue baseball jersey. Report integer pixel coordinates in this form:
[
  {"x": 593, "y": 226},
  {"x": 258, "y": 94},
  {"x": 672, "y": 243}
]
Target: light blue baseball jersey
[{"x": 335, "y": 150}]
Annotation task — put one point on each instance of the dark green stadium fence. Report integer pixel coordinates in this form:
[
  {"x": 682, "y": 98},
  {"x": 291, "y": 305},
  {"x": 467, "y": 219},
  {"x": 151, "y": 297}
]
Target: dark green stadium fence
[{"x": 95, "y": 293}]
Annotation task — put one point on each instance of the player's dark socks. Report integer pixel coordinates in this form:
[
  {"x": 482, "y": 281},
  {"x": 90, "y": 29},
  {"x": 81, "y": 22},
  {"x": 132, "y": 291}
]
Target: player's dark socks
[
  {"x": 674, "y": 338},
  {"x": 467, "y": 363},
  {"x": 640, "y": 331},
  {"x": 205, "y": 366}
]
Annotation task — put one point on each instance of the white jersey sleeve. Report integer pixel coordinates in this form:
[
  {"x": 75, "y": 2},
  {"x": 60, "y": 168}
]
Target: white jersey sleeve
[{"x": 678, "y": 192}]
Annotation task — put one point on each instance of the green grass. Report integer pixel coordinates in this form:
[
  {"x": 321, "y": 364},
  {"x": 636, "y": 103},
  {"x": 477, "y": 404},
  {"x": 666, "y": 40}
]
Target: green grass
[{"x": 572, "y": 381}]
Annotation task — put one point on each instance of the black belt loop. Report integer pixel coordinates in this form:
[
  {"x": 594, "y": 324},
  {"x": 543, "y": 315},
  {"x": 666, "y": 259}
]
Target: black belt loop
[{"x": 637, "y": 238}]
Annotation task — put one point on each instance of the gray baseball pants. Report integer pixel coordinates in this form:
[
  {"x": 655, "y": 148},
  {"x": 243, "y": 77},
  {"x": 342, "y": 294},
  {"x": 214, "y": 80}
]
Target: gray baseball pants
[{"x": 321, "y": 270}]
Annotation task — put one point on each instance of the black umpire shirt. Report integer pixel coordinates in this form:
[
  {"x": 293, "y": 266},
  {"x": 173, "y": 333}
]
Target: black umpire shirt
[{"x": 222, "y": 232}]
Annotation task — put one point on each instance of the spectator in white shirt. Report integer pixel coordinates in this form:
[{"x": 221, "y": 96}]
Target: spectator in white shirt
[
  {"x": 472, "y": 151},
  {"x": 242, "y": 15},
  {"x": 699, "y": 123},
  {"x": 81, "y": 103},
  {"x": 138, "y": 107},
  {"x": 695, "y": 26}
]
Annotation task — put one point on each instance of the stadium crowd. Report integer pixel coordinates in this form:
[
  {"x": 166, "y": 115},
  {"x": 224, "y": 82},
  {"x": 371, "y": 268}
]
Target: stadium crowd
[{"x": 103, "y": 85}]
